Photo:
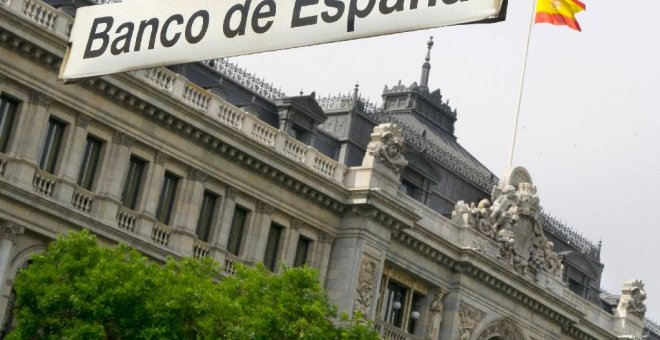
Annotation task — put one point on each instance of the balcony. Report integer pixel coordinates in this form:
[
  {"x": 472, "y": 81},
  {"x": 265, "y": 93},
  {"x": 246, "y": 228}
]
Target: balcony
[{"x": 391, "y": 332}]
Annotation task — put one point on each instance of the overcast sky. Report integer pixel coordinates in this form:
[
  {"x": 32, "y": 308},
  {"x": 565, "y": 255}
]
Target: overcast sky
[{"x": 590, "y": 119}]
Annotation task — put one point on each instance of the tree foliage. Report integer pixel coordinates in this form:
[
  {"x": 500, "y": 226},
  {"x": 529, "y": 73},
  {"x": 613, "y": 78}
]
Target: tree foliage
[{"x": 78, "y": 290}]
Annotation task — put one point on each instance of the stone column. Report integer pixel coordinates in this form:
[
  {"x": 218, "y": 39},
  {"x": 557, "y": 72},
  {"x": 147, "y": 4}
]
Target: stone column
[
  {"x": 112, "y": 176},
  {"x": 291, "y": 242},
  {"x": 9, "y": 232},
  {"x": 152, "y": 188},
  {"x": 30, "y": 128},
  {"x": 321, "y": 254},
  {"x": 220, "y": 234},
  {"x": 257, "y": 233},
  {"x": 71, "y": 161},
  {"x": 187, "y": 211}
]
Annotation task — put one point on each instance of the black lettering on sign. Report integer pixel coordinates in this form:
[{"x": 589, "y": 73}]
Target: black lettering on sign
[
  {"x": 354, "y": 11},
  {"x": 385, "y": 9},
  {"x": 153, "y": 24},
  {"x": 338, "y": 5},
  {"x": 242, "y": 10},
  {"x": 296, "y": 20},
  {"x": 193, "y": 39},
  {"x": 94, "y": 34},
  {"x": 259, "y": 14},
  {"x": 166, "y": 27},
  {"x": 122, "y": 44}
]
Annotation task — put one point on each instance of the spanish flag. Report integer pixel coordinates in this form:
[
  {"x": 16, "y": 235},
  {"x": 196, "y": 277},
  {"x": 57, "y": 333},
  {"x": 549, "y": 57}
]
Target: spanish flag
[{"x": 559, "y": 12}]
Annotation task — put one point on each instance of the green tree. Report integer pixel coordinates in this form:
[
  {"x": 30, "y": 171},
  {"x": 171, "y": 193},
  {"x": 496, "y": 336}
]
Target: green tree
[{"x": 78, "y": 290}]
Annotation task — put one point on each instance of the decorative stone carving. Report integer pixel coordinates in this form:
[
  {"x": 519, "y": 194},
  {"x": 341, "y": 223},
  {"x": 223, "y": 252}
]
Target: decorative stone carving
[
  {"x": 325, "y": 237},
  {"x": 470, "y": 318},
  {"x": 123, "y": 139},
  {"x": 514, "y": 222},
  {"x": 83, "y": 121},
  {"x": 366, "y": 286},
  {"x": 632, "y": 299},
  {"x": 10, "y": 231},
  {"x": 503, "y": 329},
  {"x": 197, "y": 175},
  {"x": 39, "y": 98},
  {"x": 232, "y": 193},
  {"x": 297, "y": 224},
  {"x": 265, "y": 208},
  {"x": 434, "y": 318},
  {"x": 161, "y": 158},
  {"x": 387, "y": 145}
]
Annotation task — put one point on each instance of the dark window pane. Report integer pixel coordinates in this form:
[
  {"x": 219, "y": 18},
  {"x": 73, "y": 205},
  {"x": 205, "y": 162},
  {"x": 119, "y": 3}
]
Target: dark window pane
[
  {"x": 236, "y": 231},
  {"x": 166, "y": 200},
  {"x": 51, "y": 148},
  {"x": 396, "y": 298},
  {"x": 272, "y": 246},
  {"x": 7, "y": 113},
  {"x": 133, "y": 183},
  {"x": 302, "y": 248},
  {"x": 89, "y": 163},
  {"x": 206, "y": 216}
]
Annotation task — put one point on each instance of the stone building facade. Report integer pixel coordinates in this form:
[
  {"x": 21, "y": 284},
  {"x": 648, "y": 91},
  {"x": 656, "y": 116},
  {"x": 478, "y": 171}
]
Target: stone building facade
[{"x": 405, "y": 226}]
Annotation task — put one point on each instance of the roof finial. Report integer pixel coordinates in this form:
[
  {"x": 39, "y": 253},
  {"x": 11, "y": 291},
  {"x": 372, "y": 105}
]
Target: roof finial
[
  {"x": 355, "y": 93},
  {"x": 426, "y": 67}
]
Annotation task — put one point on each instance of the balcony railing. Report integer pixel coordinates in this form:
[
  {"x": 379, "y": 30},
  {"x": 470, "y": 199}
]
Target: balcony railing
[
  {"x": 160, "y": 234},
  {"x": 3, "y": 163},
  {"x": 82, "y": 199},
  {"x": 44, "y": 182},
  {"x": 391, "y": 332},
  {"x": 201, "y": 249},
  {"x": 126, "y": 219}
]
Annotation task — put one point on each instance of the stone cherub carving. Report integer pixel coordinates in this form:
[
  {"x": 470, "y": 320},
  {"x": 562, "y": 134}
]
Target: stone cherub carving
[
  {"x": 387, "y": 145},
  {"x": 632, "y": 298},
  {"x": 513, "y": 222}
]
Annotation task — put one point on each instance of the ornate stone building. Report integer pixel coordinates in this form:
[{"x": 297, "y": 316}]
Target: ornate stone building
[{"x": 405, "y": 226}]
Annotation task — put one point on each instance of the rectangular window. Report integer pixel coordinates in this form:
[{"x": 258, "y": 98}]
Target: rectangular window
[
  {"x": 236, "y": 230},
  {"x": 166, "y": 200},
  {"x": 51, "y": 149},
  {"x": 7, "y": 113},
  {"x": 272, "y": 246},
  {"x": 396, "y": 298},
  {"x": 206, "y": 216},
  {"x": 302, "y": 248},
  {"x": 133, "y": 182},
  {"x": 89, "y": 163}
]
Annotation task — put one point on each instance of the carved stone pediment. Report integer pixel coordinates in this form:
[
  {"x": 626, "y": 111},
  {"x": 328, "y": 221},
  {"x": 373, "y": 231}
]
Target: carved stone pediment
[
  {"x": 387, "y": 145},
  {"x": 513, "y": 221}
]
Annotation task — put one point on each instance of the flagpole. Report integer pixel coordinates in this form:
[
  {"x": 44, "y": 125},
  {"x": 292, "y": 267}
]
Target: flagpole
[{"x": 522, "y": 83}]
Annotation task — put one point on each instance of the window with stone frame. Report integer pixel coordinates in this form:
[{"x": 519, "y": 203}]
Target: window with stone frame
[
  {"x": 206, "y": 215},
  {"x": 302, "y": 251},
  {"x": 52, "y": 144},
  {"x": 167, "y": 197},
  {"x": 396, "y": 296},
  {"x": 133, "y": 184},
  {"x": 89, "y": 163},
  {"x": 8, "y": 108},
  {"x": 273, "y": 246},
  {"x": 237, "y": 229}
]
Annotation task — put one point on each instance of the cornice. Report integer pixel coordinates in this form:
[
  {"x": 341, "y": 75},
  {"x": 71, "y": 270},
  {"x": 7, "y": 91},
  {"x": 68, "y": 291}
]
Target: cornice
[{"x": 506, "y": 281}]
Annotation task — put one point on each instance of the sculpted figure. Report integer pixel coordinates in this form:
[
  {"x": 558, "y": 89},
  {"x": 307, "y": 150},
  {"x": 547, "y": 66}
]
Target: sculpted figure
[
  {"x": 481, "y": 215},
  {"x": 552, "y": 260},
  {"x": 504, "y": 203},
  {"x": 435, "y": 316},
  {"x": 389, "y": 151}
]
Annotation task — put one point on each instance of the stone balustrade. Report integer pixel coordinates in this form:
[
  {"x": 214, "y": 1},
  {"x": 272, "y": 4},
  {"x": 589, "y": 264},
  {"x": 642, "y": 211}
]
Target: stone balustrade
[
  {"x": 41, "y": 14},
  {"x": 201, "y": 249},
  {"x": 391, "y": 332},
  {"x": 126, "y": 219},
  {"x": 82, "y": 199},
  {"x": 160, "y": 234},
  {"x": 160, "y": 77},
  {"x": 230, "y": 262},
  {"x": 4, "y": 160},
  {"x": 44, "y": 182},
  {"x": 196, "y": 96},
  {"x": 295, "y": 150}
]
